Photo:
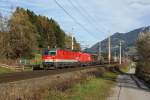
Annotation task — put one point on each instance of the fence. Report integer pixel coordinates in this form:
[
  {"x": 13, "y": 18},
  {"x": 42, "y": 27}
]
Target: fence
[{"x": 16, "y": 68}]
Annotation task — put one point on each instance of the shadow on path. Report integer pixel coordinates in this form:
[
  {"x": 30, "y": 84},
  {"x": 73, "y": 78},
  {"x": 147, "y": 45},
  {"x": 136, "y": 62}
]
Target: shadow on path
[{"x": 126, "y": 80}]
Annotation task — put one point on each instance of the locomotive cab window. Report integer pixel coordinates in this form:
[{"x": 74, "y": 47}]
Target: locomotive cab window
[{"x": 52, "y": 53}]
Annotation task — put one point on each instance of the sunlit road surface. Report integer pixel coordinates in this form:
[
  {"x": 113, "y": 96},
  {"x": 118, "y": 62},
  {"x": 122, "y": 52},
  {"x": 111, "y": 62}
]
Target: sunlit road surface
[{"x": 130, "y": 88}]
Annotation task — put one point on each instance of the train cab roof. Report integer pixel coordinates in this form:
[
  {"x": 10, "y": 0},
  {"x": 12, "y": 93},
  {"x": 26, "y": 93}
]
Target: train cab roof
[
  {"x": 50, "y": 52},
  {"x": 56, "y": 49}
]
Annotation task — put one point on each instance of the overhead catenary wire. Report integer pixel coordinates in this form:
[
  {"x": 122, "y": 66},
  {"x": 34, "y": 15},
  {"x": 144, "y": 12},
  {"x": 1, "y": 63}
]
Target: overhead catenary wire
[
  {"x": 89, "y": 15},
  {"x": 84, "y": 15},
  {"x": 94, "y": 20},
  {"x": 74, "y": 19},
  {"x": 78, "y": 23},
  {"x": 102, "y": 26},
  {"x": 67, "y": 12}
]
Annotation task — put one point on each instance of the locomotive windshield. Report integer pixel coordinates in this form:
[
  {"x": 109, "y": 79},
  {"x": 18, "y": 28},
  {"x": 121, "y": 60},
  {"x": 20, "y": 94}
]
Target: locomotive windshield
[{"x": 50, "y": 52}]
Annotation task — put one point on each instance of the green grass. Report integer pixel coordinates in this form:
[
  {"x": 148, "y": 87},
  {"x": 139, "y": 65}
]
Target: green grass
[
  {"x": 36, "y": 60},
  {"x": 111, "y": 75},
  {"x": 94, "y": 89},
  {"x": 5, "y": 70},
  {"x": 125, "y": 69}
]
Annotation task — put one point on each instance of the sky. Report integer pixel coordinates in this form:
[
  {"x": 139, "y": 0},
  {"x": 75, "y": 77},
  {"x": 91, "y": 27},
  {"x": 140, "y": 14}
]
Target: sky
[{"x": 90, "y": 21}]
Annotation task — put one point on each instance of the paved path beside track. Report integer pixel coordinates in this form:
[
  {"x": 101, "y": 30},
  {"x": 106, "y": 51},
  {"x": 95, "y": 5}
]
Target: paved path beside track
[{"x": 130, "y": 88}]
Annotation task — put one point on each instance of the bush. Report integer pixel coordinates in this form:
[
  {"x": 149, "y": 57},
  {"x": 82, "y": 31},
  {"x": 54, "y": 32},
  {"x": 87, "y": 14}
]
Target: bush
[{"x": 143, "y": 47}]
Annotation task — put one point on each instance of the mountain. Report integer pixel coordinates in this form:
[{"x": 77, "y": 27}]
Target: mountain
[{"x": 128, "y": 42}]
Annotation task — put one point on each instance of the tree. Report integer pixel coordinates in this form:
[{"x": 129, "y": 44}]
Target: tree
[
  {"x": 76, "y": 45},
  {"x": 46, "y": 33},
  {"x": 3, "y": 36},
  {"x": 22, "y": 35},
  {"x": 68, "y": 43},
  {"x": 143, "y": 47},
  {"x": 59, "y": 33},
  {"x": 27, "y": 31}
]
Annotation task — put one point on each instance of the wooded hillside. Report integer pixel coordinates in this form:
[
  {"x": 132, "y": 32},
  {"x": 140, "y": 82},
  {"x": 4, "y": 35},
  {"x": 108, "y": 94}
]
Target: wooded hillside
[{"x": 26, "y": 32}]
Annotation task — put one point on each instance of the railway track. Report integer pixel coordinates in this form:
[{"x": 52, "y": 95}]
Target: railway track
[{"x": 17, "y": 76}]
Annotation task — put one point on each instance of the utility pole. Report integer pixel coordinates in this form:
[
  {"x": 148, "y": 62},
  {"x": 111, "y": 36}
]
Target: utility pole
[
  {"x": 109, "y": 49},
  {"x": 115, "y": 57},
  {"x": 123, "y": 56},
  {"x": 99, "y": 51},
  {"x": 72, "y": 44},
  {"x": 120, "y": 62}
]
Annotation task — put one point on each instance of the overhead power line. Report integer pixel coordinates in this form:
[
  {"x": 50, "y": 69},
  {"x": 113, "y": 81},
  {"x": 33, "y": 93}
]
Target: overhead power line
[
  {"x": 85, "y": 16},
  {"x": 74, "y": 18},
  {"x": 89, "y": 15}
]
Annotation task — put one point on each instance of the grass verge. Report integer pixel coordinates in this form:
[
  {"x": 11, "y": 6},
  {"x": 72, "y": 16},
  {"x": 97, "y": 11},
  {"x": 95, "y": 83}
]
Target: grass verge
[
  {"x": 5, "y": 70},
  {"x": 125, "y": 67},
  {"x": 97, "y": 88},
  {"x": 88, "y": 84}
]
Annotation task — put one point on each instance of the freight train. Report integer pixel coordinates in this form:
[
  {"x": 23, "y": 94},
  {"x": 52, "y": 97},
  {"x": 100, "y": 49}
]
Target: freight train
[{"x": 58, "y": 58}]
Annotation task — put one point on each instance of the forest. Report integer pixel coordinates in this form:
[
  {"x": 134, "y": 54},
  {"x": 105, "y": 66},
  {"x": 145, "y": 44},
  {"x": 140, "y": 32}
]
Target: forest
[{"x": 25, "y": 33}]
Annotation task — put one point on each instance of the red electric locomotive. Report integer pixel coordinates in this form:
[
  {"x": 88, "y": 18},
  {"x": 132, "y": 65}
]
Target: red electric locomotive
[{"x": 55, "y": 58}]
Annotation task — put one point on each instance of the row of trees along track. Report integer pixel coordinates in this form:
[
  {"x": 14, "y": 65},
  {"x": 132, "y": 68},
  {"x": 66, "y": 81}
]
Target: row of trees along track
[
  {"x": 25, "y": 32},
  {"x": 143, "y": 64}
]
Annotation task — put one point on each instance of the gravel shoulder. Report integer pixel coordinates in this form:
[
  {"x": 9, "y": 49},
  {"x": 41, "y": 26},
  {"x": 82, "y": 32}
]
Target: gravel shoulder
[
  {"x": 129, "y": 87},
  {"x": 18, "y": 76}
]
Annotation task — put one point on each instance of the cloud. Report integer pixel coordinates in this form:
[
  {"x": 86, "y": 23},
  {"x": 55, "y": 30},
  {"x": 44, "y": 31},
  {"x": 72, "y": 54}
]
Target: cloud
[{"x": 140, "y": 2}]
